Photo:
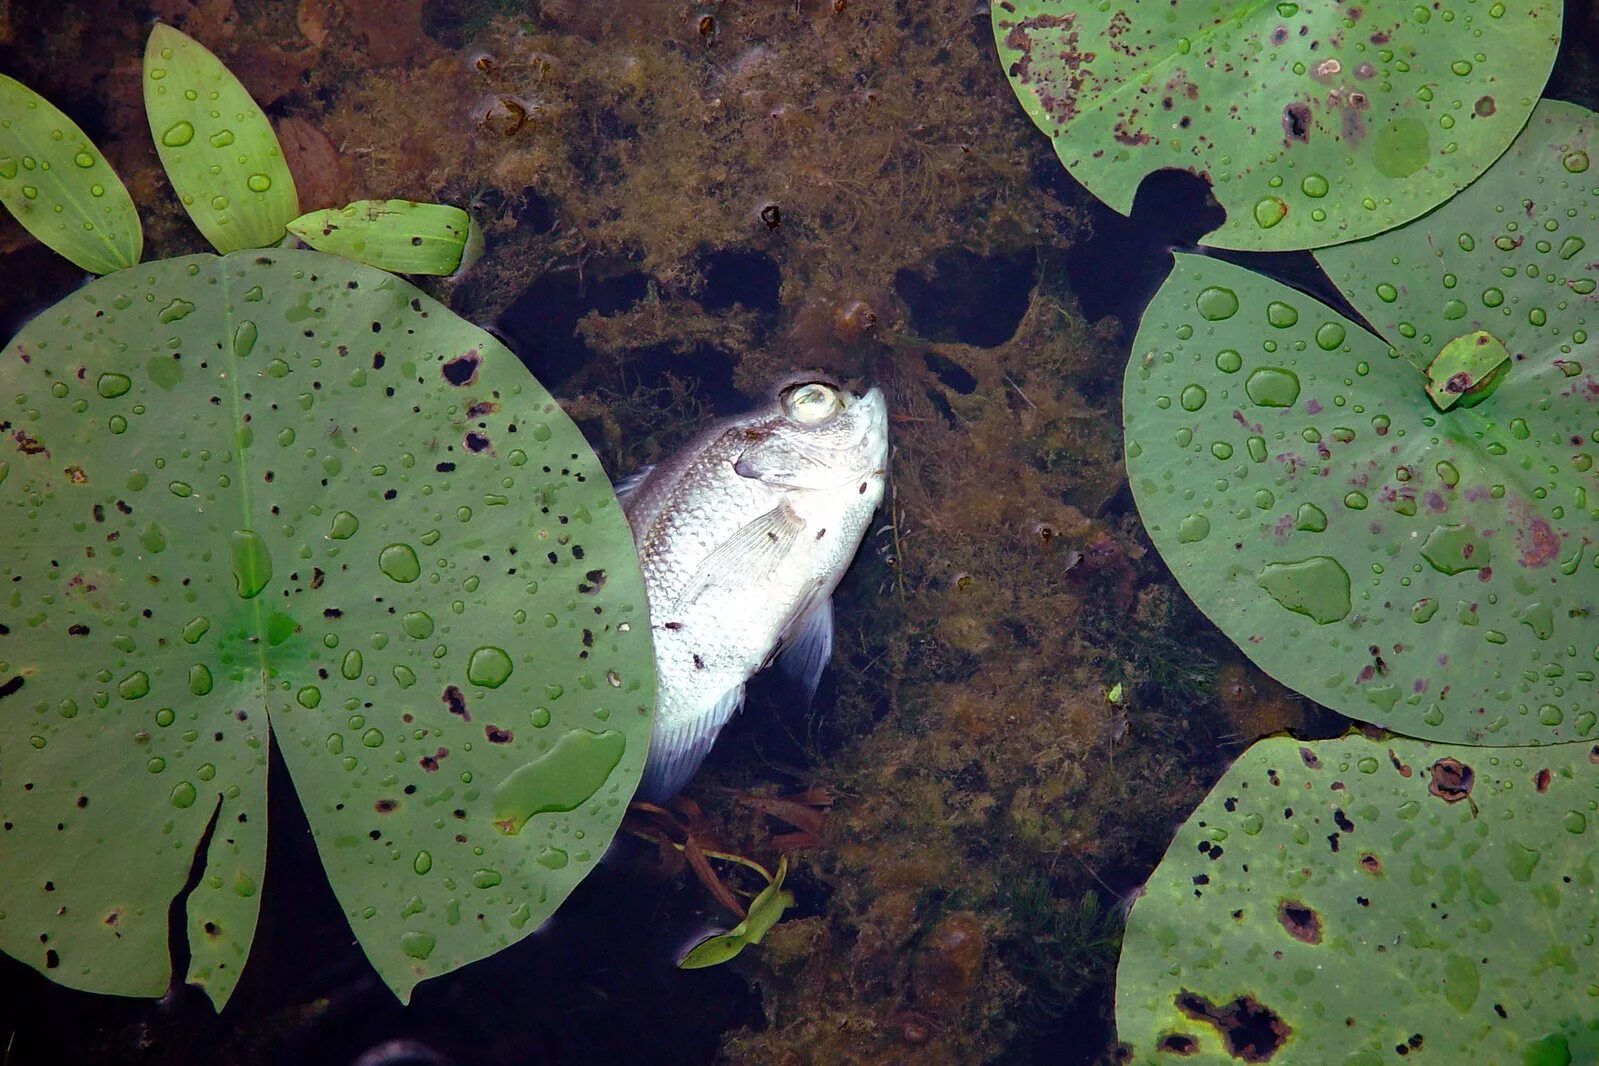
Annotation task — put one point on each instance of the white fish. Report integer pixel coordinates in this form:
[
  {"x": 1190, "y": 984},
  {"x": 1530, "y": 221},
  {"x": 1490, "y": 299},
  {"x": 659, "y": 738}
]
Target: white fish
[{"x": 742, "y": 536}]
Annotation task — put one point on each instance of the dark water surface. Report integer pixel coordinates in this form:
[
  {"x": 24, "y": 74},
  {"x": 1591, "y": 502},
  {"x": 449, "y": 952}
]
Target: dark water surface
[{"x": 678, "y": 212}]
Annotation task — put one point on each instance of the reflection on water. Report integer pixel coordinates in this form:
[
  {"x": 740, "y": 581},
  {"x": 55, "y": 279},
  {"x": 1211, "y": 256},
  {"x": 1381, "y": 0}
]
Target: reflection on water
[{"x": 682, "y": 202}]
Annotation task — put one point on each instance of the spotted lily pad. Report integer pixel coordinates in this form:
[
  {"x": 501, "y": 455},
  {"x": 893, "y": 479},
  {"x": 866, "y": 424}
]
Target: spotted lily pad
[
  {"x": 1314, "y": 121},
  {"x": 278, "y": 493},
  {"x": 216, "y": 146},
  {"x": 1402, "y": 531},
  {"x": 1357, "y": 902},
  {"x": 59, "y": 186}
]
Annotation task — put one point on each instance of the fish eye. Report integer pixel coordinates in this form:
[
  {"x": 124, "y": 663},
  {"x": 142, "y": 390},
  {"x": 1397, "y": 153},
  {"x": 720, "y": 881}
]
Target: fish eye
[{"x": 812, "y": 403}]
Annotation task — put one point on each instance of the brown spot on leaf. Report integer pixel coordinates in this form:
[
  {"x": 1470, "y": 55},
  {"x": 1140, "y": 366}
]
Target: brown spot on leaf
[
  {"x": 1539, "y": 543},
  {"x": 385, "y": 806},
  {"x": 1178, "y": 1044},
  {"x": 1541, "y": 779},
  {"x": 115, "y": 917},
  {"x": 481, "y": 408},
  {"x": 1300, "y": 921},
  {"x": 1309, "y": 758},
  {"x": 455, "y": 702},
  {"x": 430, "y": 763},
  {"x": 1451, "y": 780},
  {"x": 28, "y": 444},
  {"x": 1252, "y": 1031},
  {"x": 1296, "y": 122},
  {"x": 496, "y": 735},
  {"x": 1370, "y": 863}
]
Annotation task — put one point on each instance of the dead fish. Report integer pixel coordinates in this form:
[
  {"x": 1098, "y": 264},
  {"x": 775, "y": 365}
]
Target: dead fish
[{"x": 742, "y": 537}]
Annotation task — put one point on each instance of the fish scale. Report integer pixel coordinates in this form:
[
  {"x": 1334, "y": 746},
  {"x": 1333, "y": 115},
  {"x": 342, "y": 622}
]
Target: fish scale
[{"x": 742, "y": 536}]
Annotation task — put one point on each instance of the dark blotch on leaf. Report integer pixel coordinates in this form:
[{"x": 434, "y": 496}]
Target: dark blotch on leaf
[
  {"x": 384, "y": 806},
  {"x": 430, "y": 763},
  {"x": 10, "y": 686},
  {"x": 1541, "y": 780},
  {"x": 1178, "y": 1044},
  {"x": 1370, "y": 863},
  {"x": 1451, "y": 780},
  {"x": 476, "y": 442},
  {"x": 455, "y": 700},
  {"x": 1301, "y": 922},
  {"x": 1252, "y": 1031},
  {"x": 496, "y": 735},
  {"x": 1296, "y": 122},
  {"x": 462, "y": 370}
]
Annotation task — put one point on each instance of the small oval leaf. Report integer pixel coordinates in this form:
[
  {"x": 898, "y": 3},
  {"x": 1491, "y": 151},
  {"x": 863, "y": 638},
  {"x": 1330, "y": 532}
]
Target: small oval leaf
[
  {"x": 399, "y": 235},
  {"x": 217, "y": 147},
  {"x": 60, "y": 187}
]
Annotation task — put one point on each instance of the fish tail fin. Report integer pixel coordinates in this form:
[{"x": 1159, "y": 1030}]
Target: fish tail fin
[
  {"x": 677, "y": 751},
  {"x": 808, "y": 646}
]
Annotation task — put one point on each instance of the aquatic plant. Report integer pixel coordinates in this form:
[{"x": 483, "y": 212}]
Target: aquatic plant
[
  {"x": 1314, "y": 122},
  {"x": 1397, "y": 526},
  {"x": 274, "y": 493},
  {"x": 1348, "y": 900}
]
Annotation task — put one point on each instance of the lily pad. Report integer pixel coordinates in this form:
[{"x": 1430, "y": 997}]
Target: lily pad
[
  {"x": 1314, "y": 121},
  {"x": 216, "y": 146},
  {"x": 1403, "y": 553},
  {"x": 1356, "y": 901},
  {"x": 60, "y": 187},
  {"x": 281, "y": 494},
  {"x": 399, "y": 235}
]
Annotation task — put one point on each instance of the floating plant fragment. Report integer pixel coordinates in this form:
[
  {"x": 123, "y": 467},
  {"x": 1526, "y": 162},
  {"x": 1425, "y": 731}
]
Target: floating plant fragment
[
  {"x": 765, "y": 911},
  {"x": 216, "y": 146},
  {"x": 1315, "y": 122},
  {"x": 1400, "y": 529},
  {"x": 1358, "y": 901},
  {"x": 60, "y": 187},
  {"x": 280, "y": 493},
  {"x": 399, "y": 235}
]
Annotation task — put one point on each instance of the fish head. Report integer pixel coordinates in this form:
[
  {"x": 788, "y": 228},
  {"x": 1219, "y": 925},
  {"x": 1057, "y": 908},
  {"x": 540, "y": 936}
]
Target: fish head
[{"x": 817, "y": 435}]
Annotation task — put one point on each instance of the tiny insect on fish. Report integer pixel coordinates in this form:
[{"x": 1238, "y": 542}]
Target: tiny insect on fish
[{"x": 742, "y": 537}]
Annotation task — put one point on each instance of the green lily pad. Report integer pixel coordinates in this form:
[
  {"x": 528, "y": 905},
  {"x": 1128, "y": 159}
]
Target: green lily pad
[
  {"x": 216, "y": 146},
  {"x": 399, "y": 235},
  {"x": 1402, "y": 531},
  {"x": 1315, "y": 122},
  {"x": 60, "y": 187},
  {"x": 1355, "y": 901},
  {"x": 278, "y": 493}
]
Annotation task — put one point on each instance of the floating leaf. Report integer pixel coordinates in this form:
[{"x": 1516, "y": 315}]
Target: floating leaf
[
  {"x": 766, "y": 910},
  {"x": 59, "y": 186},
  {"x": 1353, "y": 901},
  {"x": 1315, "y": 122},
  {"x": 217, "y": 147},
  {"x": 399, "y": 235},
  {"x": 281, "y": 492},
  {"x": 1403, "y": 554}
]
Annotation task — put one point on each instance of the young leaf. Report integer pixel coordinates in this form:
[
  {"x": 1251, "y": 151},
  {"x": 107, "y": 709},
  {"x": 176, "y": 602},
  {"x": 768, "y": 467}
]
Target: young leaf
[
  {"x": 1331, "y": 902},
  {"x": 217, "y": 147},
  {"x": 1314, "y": 122},
  {"x": 766, "y": 909},
  {"x": 59, "y": 186},
  {"x": 399, "y": 235},
  {"x": 280, "y": 494}
]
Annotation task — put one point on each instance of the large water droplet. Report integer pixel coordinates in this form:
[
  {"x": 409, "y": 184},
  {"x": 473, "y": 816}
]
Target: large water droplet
[
  {"x": 559, "y": 780},
  {"x": 1329, "y": 336},
  {"x": 1317, "y": 588},
  {"x": 1269, "y": 211},
  {"x": 135, "y": 686},
  {"x": 1229, "y": 361},
  {"x": 184, "y": 794},
  {"x": 244, "y": 338},
  {"x": 418, "y": 625},
  {"x": 258, "y": 182},
  {"x": 1215, "y": 303},
  {"x": 1194, "y": 528},
  {"x": 1575, "y": 162},
  {"x": 1454, "y": 549},
  {"x": 178, "y": 134},
  {"x": 400, "y": 563},
  {"x": 417, "y": 944},
  {"x": 1281, "y": 315},
  {"x": 1314, "y": 185},
  {"x": 1192, "y": 398},
  {"x": 252, "y": 563},
  {"x": 488, "y": 667},
  {"x": 1272, "y": 386},
  {"x": 344, "y": 526},
  {"x": 199, "y": 679},
  {"x": 113, "y": 385}
]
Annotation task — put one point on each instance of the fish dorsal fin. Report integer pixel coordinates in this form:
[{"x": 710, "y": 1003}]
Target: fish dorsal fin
[
  {"x": 676, "y": 752},
  {"x": 747, "y": 558},
  {"x": 626, "y": 486},
  {"x": 807, "y": 646}
]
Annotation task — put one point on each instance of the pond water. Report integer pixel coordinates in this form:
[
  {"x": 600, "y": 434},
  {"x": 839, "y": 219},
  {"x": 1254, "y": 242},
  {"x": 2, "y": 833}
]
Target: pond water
[{"x": 682, "y": 202}]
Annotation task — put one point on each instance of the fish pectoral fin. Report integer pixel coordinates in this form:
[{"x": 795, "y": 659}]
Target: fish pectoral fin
[
  {"x": 807, "y": 645},
  {"x": 626, "y": 486},
  {"x": 677, "y": 751},
  {"x": 748, "y": 557}
]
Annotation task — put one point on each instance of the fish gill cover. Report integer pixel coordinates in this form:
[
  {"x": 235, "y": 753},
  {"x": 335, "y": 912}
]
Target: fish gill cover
[
  {"x": 1400, "y": 527},
  {"x": 1314, "y": 121},
  {"x": 278, "y": 494},
  {"x": 1359, "y": 901}
]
